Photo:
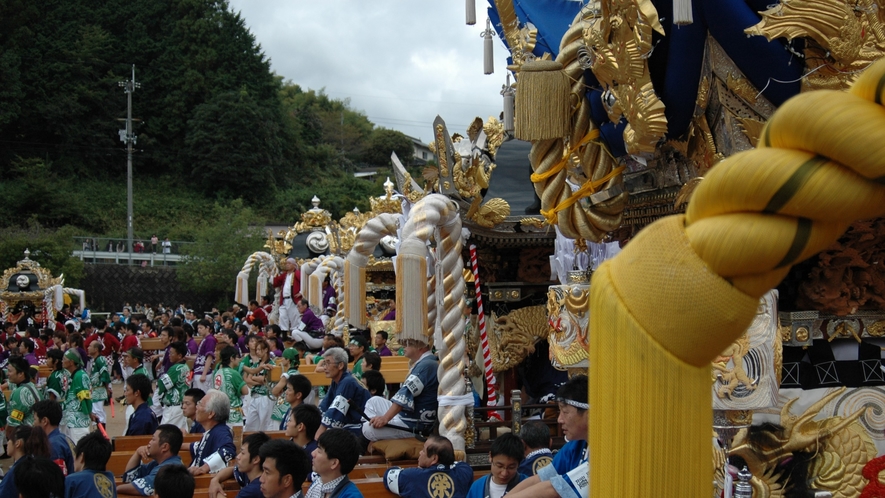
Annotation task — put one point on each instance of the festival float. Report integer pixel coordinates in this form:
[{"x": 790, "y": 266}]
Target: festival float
[
  {"x": 707, "y": 246},
  {"x": 31, "y": 290}
]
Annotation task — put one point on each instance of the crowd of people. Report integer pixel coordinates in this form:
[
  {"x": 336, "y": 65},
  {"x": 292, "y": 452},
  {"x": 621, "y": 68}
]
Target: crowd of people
[{"x": 213, "y": 373}]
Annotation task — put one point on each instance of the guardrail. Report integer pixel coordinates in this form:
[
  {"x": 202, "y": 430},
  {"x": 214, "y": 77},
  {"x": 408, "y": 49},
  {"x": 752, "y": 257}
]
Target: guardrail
[{"x": 104, "y": 250}]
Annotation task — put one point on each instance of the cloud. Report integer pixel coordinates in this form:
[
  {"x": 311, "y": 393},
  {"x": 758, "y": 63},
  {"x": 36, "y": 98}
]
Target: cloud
[{"x": 399, "y": 62}]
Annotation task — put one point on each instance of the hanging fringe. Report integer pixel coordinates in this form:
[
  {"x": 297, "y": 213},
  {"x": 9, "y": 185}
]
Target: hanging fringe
[
  {"x": 355, "y": 292},
  {"x": 242, "y": 294},
  {"x": 411, "y": 290},
  {"x": 316, "y": 289},
  {"x": 682, "y": 12},
  {"x": 542, "y": 101},
  {"x": 488, "y": 53},
  {"x": 508, "y": 94},
  {"x": 470, "y": 10}
]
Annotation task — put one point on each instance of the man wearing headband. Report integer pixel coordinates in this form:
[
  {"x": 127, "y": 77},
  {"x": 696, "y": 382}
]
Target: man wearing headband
[
  {"x": 567, "y": 475},
  {"x": 77, "y": 406},
  {"x": 290, "y": 294}
]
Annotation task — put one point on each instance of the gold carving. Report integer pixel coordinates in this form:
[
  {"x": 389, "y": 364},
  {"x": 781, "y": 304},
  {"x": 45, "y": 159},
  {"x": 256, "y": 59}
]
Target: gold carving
[
  {"x": 491, "y": 213},
  {"x": 441, "y": 151},
  {"x": 802, "y": 334},
  {"x": 730, "y": 379},
  {"x": 844, "y": 37},
  {"x": 841, "y": 447},
  {"x": 752, "y": 128},
  {"x": 877, "y": 329},
  {"x": 514, "y": 335},
  {"x": 567, "y": 309},
  {"x": 741, "y": 87},
  {"x": 45, "y": 280},
  {"x": 520, "y": 40}
]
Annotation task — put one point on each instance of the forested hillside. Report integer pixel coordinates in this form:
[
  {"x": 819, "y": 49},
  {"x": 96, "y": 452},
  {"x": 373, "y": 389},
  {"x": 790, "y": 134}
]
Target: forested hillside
[{"x": 215, "y": 123}]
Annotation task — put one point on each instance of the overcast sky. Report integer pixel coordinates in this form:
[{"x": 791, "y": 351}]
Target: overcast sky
[{"x": 400, "y": 62}]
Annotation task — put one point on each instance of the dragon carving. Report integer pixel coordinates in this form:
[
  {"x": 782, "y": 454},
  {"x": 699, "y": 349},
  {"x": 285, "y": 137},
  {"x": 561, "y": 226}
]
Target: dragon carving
[{"x": 514, "y": 335}]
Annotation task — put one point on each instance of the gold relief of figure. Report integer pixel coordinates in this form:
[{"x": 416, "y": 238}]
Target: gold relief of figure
[
  {"x": 731, "y": 378},
  {"x": 840, "y": 447},
  {"x": 514, "y": 335},
  {"x": 567, "y": 311}
]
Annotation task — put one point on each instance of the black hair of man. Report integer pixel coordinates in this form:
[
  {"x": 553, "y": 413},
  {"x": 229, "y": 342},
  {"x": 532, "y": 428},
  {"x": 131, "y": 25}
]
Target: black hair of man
[
  {"x": 442, "y": 448},
  {"x": 258, "y": 322},
  {"x": 205, "y": 323},
  {"x": 289, "y": 459},
  {"x": 179, "y": 347},
  {"x": 255, "y": 441},
  {"x": 175, "y": 321},
  {"x": 277, "y": 331},
  {"x": 360, "y": 341},
  {"x": 170, "y": 434},
  {"x": 374, "y": 359},
  {"x": 575, "y": 389},
  {"x": 96, "y": 451},
  {"x": 231, "y": 335},
  {"x": 174, "y": 481},
  {"x": 22, "y": 366},
  {"x": 195, "y": 393},
  {"x": 310, "y": 416},
  {"x": 38, "y": 477},
  {"x": 141, "y": 384},
  {"x": 535, "y": 434},
  {"x": 29, "y": 344},
  {"x": 49, "y": 409},
  {"x": 300, "y": 384},
  {"x": 383, "y": 334},
  {"x": 508, "y": 445},
  {"x": 99, "y": 323},
  {"x": 226, "y": 354},
  {"x": 253, "y": 302},
  {"x": 374, "y": 382},
  {"x": 343, "y": 445},
  {"x": 57, "y": 355}
]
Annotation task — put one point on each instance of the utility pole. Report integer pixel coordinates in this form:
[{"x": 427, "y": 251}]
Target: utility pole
[{"x": 129, "y": 138}]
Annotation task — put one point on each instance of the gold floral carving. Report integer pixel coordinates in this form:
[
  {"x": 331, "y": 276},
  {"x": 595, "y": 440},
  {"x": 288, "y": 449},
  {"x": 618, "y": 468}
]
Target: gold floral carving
[
  {"x": 567, "y": 309},
  {"x": 520, "y": 40},
  {"x": 841, "y": 447},
  {"x": 513, "y": 336},
  {"x": 752, "y": 128},
  {"x": 876, "y": 329},
  {"x": 731, "y": 378},
  {"x": 491, "y": 213},
  {"x": 843, "y": 37},
  {"x": 412, "y": 195},
  {"x": 741, "y": 87}
]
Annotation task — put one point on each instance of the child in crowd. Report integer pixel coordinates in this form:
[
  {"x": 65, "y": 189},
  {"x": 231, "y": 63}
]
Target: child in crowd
[
  {"x": 505, "y": 456},
  {"x": 290, "y": 363},
  {"x": 247, "y": 471},
  {"x": 257, "y": 368},
  {"x": 337, "y": 452},
  {"x": 231, "y": 383}
]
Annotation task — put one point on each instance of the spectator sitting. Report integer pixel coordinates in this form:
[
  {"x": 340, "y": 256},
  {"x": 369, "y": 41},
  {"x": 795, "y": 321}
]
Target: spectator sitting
[
  {"x": 381, "y": 344},
  {"x": 189, "y": 409},
  {"x": 436, "y": 464},
  {"x": 247, "y": 470},
  {"x": 285, "y": 468},
  {"x": 174, "y": 481},
  {"x": 343, "y": 392},
  {"x": 371, "y": 361},
  {"x": 304, "y": 420},
  {"x": 38, "y": 478},
  {"x": 536, "y": 438},
  {"x": 162, "y": 450},
  {"x": 336, "y": 454},
  {"x": 91, "y": 477},
  {"x": 216, "y": 448},
  {"x": 374, "y": 382},
  {"x": 47, "y": 415},
  {"x": 358, "y": 348},
  {"x": 507, "y": 451}
]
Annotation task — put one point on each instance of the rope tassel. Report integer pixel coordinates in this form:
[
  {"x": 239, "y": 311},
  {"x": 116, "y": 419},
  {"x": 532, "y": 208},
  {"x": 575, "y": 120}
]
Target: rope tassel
[
  {"x": 470, "y": 11},
  {"x": 542, "y": 101},
  {"x": 488, "y": 53}
]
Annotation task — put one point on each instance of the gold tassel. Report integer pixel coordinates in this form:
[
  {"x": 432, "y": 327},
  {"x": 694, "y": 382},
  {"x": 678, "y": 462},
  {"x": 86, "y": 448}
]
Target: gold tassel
[
  {"x": 306, "y": 270},
  {"x": 542, "y": 101},
  {"x": 316, "y": 289}
]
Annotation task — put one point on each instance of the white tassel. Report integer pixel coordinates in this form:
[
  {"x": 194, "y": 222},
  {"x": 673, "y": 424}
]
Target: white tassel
[
  {"x": 488, "y": 52},
  {"x": 471, "y": 12},
  {"x": 509, "y": 97},
  {"x": 682, "y": 12}
]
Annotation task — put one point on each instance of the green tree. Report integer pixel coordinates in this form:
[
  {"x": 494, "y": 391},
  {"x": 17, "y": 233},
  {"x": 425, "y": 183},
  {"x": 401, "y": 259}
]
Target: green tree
[
  {"x": 382, "y": 142},
  {"x": 222, "y": 245}
]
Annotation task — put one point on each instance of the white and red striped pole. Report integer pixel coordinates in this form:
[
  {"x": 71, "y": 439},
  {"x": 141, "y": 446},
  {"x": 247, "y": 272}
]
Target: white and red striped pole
[{"x": 491, "y": 383}]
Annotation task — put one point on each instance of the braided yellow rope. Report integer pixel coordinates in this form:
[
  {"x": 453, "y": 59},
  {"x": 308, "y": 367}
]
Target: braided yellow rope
[
  {"x": 687, "y": 286},
  {"x": 549, "y": 161}
]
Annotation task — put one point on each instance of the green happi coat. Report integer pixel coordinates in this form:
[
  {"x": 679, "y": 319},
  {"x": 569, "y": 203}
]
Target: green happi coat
[
  {"x": 78, "y": 402},
  {"x": 230, "y": 382},
  {"x": 264, "y": 389},
  {"x": 280, "y": 409},
  {"x": 172, "y": 384},
  {"x": 57, "y": 384},
  {"x": 100, "y": 377},
  {"x": 21, "y": 403}
]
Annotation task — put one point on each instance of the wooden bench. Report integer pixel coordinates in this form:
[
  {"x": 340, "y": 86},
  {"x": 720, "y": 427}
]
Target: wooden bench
[
  {"x": 132, "y": 443},
  {"x": 390, "y": 377}
]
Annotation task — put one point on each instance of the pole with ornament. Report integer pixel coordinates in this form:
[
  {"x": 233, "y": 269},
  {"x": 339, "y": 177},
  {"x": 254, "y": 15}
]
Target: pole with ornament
[{"x": 491, "y": 383}]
